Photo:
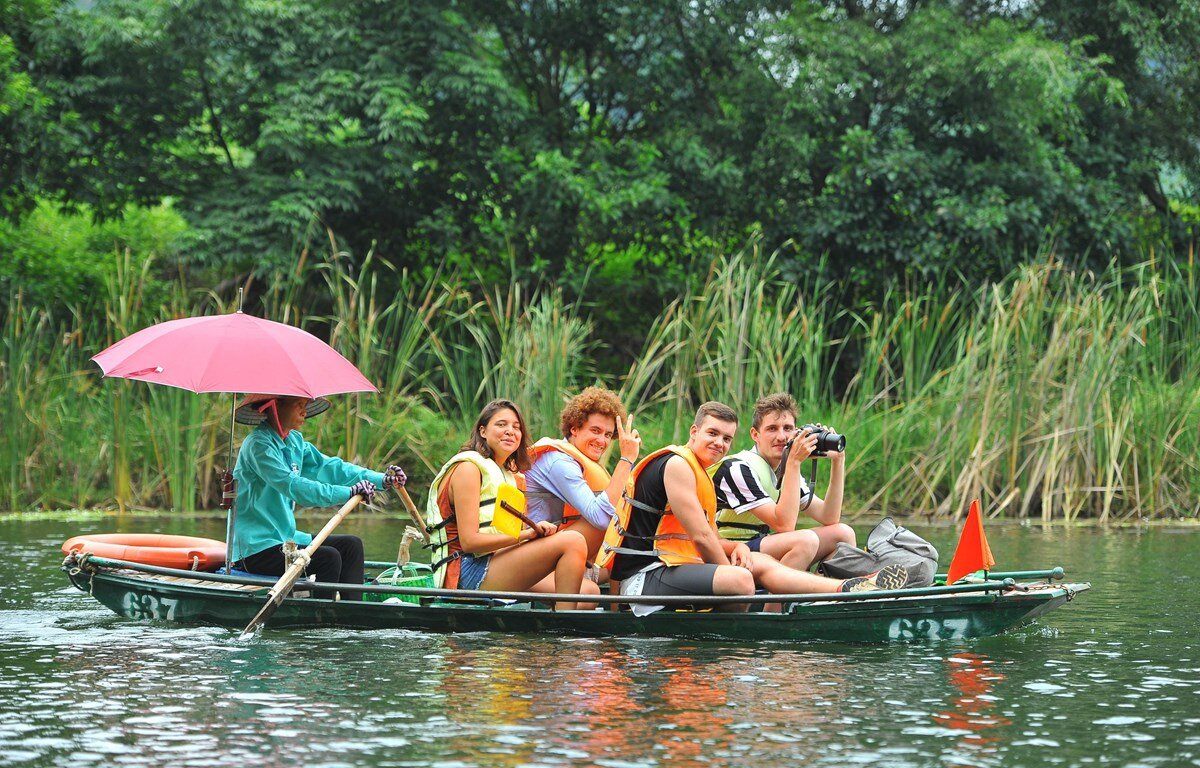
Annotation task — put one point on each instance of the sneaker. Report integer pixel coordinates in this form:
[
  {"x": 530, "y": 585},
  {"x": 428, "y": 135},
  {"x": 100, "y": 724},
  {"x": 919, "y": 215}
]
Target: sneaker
[{"x": 888, "y": 577}]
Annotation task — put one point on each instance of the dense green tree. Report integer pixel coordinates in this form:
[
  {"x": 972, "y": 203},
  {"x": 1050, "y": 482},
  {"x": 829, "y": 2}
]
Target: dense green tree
[
  {"x": 1153, "y": 48},
  {"x": 22, "y": 106},
  {"x": 926, "y": 141},
  {"x": 611, "y": 142}
]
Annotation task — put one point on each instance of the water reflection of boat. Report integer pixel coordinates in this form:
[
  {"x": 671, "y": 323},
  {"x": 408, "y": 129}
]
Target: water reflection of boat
[{"x": 941, "y": 612}]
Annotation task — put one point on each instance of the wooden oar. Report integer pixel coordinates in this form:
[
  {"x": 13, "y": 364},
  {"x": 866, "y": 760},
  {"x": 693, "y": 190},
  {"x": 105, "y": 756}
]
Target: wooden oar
[
  {"x": 283, "y": 586},
  {"x": 412, "y": 510}
]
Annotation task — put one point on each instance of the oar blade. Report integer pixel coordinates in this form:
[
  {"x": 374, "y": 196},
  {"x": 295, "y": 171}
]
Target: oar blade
[
  {"x": 259, "y": 619},
  {"x": 274, "y": 599}
]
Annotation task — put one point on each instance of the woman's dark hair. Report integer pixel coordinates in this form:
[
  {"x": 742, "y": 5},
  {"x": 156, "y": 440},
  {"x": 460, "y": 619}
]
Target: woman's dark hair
[{"x": 519, "y": 461}]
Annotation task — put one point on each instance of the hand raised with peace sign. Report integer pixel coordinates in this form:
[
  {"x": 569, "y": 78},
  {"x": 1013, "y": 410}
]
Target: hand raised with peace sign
[{"x": 629, "y": 440}]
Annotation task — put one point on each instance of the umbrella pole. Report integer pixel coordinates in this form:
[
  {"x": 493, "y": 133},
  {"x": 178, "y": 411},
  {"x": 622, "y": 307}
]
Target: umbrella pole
[{"x": 231, "y": 518}]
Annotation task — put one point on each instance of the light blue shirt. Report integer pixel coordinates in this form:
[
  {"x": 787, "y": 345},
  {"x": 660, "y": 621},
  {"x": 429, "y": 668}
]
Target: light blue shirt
[
  {"x": 275, "y": 475},
  {"x": 556, "y": 479}
]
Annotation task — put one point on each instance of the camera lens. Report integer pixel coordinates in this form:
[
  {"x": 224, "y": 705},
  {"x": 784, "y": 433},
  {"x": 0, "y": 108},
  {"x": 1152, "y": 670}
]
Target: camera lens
[{"x": 834, "y": 442}]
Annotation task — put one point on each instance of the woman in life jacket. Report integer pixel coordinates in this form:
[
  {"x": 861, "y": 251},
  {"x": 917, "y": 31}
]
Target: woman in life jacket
[
  {"x": 567, "y": 484},
  {"x": 276, "y": 470},
  {"x": 468, "y": 552}
]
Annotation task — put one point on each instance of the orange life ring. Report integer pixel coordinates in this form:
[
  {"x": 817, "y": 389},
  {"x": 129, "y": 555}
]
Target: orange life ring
[{"x": 187, "y": 552}]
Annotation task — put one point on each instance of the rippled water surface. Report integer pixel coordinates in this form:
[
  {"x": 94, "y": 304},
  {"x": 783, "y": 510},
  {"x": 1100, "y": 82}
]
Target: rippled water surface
[{"x": 1112, "y": 679}]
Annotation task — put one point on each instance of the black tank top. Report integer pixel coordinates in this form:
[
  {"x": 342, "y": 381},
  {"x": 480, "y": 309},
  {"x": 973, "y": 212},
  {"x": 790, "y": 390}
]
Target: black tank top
[{"x": 651, "y": 490}]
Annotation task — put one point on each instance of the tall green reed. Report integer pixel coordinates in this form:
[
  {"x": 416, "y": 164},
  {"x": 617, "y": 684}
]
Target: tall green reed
[
  {"x": 1035, "y": 412},
  {"x": 534, "y": 352},
  {"x": 1055, "y": 393},
  {"x": 742, "y": 333},
  {"x": 382, "y": 320},
  {"x": 24, "y": 340}
]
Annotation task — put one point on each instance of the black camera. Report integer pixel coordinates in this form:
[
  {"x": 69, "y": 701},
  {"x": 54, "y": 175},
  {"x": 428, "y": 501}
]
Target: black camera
[{"x": 827, "y": 439}]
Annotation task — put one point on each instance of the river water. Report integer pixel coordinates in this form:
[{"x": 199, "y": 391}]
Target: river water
[{"x": 1111, "y": 679}]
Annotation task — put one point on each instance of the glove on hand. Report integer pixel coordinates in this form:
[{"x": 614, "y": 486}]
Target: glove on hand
[
  {"x": 364, "y": 488},
  {"x": 394, "y": 477}
]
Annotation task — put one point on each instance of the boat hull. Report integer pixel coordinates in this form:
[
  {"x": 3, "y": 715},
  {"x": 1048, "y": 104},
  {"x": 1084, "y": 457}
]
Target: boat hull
[{"x": 941, "y": 617}]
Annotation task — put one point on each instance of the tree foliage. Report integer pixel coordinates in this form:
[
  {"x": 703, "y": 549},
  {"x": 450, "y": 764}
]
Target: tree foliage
[{"x": 610, "y": 143}]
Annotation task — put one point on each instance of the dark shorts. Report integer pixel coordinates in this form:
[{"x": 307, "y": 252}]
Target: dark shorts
[
  {"x": 680, "y": 580},
  {"x": 755, "y": 543}
]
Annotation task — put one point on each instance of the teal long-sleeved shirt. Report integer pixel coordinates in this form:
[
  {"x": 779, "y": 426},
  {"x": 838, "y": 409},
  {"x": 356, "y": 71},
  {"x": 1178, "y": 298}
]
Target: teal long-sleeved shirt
[{"x": 273, "y": 476}]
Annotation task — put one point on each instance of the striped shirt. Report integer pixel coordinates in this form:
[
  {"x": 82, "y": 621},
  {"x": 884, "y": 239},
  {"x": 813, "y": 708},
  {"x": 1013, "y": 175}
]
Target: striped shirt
[{"x": 738, "y": 489}]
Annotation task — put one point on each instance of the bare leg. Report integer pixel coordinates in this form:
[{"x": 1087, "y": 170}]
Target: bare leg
[
  {"x": 795, "y": 549},
  {"x": 587, "y": 587},
  {"x": 776, "y": 577},
  {"x": 593, "y": 535},
  {"x": 517, "y": 569},
  {"x": 732, "y": 580},
  {"x": 805, "y": 548},
  {"x": 831, "y": 536}
]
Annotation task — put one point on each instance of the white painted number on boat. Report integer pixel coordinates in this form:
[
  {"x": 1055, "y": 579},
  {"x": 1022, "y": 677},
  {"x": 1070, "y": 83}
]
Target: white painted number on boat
[
  {"x": 149, "y": 607},
  {"x": 931, "y": 629}
]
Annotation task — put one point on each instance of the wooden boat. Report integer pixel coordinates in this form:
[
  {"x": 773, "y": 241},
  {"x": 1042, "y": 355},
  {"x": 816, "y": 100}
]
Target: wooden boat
[{"x": 988, "y": 607}]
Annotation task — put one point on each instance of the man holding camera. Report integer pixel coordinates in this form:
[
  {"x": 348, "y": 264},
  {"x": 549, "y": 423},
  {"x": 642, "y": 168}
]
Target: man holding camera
[
  {"x": 757, "y": 509},
  {"x": 663, "y": 539}
]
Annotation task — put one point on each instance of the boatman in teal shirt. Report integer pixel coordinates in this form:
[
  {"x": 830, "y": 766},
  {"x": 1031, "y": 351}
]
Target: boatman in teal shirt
[{"x": 278, "y": 469}]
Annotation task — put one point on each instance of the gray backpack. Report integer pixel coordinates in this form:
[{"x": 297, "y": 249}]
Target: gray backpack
[{"x": 887, "y": 543}]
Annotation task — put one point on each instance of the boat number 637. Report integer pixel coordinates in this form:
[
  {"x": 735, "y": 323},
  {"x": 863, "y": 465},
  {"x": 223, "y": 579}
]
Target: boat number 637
[
  {"x": 925, "y": 628},
  {"x": 149, "y": 607}
]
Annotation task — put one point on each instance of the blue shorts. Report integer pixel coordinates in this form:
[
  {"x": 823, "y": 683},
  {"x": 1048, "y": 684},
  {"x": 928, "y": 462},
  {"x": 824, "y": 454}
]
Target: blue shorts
[
  {"x": 472, "y": 570},
  {"x": 755, "y": 543}
]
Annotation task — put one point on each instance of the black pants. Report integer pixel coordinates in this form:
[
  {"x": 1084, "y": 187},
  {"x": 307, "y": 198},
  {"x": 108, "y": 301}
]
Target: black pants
[{"x": 339, "y": 560}]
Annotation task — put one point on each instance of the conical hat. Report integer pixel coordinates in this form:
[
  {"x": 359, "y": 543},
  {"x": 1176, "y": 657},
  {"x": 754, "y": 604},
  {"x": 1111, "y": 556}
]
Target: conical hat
[{"x": 247, "y": 411}]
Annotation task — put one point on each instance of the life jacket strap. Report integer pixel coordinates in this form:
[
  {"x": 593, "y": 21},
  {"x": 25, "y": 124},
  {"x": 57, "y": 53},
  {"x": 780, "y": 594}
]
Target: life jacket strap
[
  {"x": 643, "y": 506},
  {"x": 450, "y": 518},
  {"x": 438, "y": 545},
  {"x": 764, "y": 528},
  {"x": 450, "y": 558},
  {"x": 625, "y": 534},
  {"x": 646, "y": 552}
]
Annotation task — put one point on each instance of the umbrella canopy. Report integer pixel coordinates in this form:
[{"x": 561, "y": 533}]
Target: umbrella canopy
[{"x": 233, "y": 353}]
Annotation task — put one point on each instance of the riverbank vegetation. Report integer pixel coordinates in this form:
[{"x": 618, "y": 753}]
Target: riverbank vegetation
[
  {"x": 1054, "y": 393},
  {"x": 963, "y": 232}
]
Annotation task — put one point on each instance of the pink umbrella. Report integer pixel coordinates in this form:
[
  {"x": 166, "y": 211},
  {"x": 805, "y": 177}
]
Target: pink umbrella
[{"x": 233, "y": 353}]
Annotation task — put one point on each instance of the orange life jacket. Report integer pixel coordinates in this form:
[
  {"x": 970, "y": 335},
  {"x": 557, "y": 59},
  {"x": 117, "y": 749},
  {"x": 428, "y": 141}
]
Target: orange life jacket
[
  {"x": 672, "y": 544},
  {"x": 596, "y": 477}
]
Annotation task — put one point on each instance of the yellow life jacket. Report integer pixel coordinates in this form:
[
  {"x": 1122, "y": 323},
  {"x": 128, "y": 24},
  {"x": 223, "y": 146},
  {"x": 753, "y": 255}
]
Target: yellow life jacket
[
  {"x": 743, "y": 526},
  {"x": 596, "y": 477},
  {"x": 672, "y": 544},
  {"x": 439, "y": 515}
]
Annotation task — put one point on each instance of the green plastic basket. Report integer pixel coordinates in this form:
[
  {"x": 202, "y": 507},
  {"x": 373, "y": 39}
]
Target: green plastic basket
[{"x": 410, "y": 575}]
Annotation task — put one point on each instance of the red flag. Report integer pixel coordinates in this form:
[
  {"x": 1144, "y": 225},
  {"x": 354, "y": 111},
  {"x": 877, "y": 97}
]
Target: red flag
[{"x": 973, "y": 553}]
